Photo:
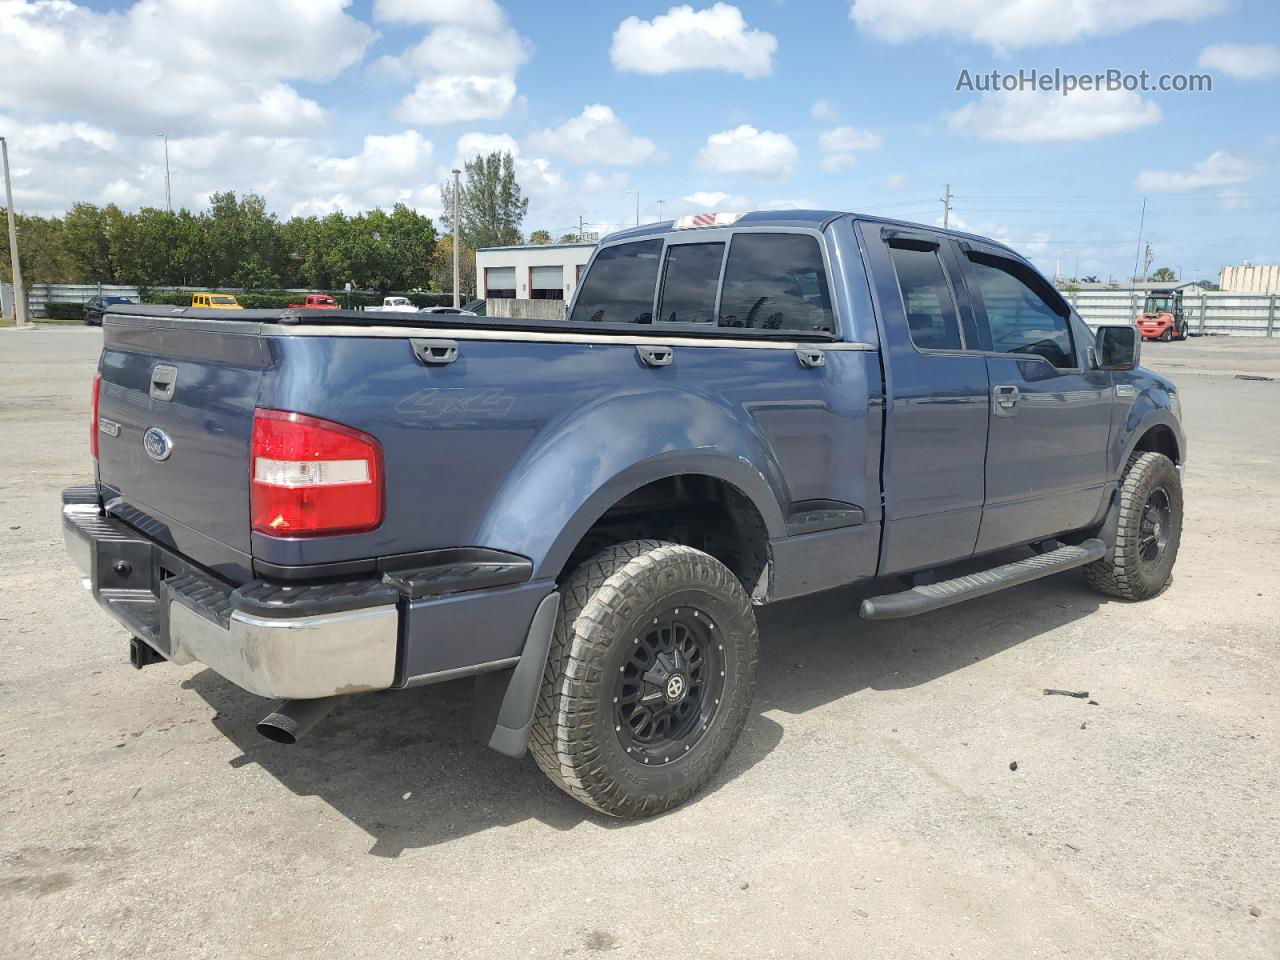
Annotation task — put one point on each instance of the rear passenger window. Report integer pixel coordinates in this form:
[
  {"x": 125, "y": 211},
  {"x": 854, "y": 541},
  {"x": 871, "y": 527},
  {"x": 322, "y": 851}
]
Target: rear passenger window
[
  {"x": 931, "y": 309},
  {"x": 1022, "y": 320},
  {"x": 619, "y": 285},
  {"x": 690, "y": 277},
  {"x": 776, "y": 281}
]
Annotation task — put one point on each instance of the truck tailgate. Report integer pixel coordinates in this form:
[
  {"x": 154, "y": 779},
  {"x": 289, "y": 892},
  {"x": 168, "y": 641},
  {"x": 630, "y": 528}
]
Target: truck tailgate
[{"x": 175, "y": 423}]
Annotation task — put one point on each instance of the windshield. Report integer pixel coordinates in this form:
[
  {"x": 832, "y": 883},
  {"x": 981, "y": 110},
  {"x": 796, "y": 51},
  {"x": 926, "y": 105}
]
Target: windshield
[{"x": 1159, "y": 305}]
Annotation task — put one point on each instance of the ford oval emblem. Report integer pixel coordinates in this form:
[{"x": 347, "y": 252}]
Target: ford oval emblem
[{"x": 157, "y": 444}]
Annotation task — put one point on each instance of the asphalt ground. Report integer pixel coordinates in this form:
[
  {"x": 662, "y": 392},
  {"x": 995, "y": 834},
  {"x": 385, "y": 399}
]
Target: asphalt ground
[{"x": 870, "y": 809}]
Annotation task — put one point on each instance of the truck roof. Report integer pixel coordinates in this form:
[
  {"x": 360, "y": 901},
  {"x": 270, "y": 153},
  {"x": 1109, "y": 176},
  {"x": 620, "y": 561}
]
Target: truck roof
[{"x": 814, "y": 219}]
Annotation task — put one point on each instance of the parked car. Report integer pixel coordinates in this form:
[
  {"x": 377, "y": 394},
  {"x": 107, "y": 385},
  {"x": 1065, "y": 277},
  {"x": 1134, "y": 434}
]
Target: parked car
[
  {"x": 456, "y": 311},
  {"x": 1162, "y": 316},
  {"x": 584, "y": 517},
  {"x": 215, "y": 301},
  {"x": 394, "y": 305},
  {"x": 316, "y": 301},
  {"x": 95, "y": 307}
]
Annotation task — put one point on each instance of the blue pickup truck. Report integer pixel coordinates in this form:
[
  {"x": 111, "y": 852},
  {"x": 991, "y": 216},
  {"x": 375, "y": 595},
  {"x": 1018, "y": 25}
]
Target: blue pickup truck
[{"x": 583, "y": 515}]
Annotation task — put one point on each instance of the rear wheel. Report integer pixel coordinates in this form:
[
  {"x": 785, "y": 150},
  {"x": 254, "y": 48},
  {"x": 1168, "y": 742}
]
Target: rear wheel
[
  {"x": 1148, "y": 533},
  {"x": 1167, "y": 334},
  {"x": 649, "y": 679}
]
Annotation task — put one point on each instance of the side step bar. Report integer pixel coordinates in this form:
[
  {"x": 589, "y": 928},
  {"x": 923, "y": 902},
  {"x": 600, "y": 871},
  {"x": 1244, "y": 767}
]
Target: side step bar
[{"x": 935, "y": 596}]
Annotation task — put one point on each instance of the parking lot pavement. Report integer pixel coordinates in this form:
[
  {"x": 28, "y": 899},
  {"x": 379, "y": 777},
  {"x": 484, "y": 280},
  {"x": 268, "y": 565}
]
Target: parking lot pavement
[{"x": 869, "y": 810}]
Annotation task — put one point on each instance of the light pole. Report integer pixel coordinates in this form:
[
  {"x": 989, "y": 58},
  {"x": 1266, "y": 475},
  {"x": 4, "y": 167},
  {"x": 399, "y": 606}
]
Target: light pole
[
  {"x": 168, "y": 196},
  {"x": 660, "y": 203},
  {"x": 19, "y": 292},
  {"x": 457, "y": 300},
  {"x": 637, "y": 193}
]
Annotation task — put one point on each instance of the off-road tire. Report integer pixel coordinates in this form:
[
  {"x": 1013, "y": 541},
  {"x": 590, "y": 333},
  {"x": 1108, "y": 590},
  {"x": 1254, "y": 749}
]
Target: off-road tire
[
  {"x": 1166, "y": 335},
  {"x": 1126, "y": 575},
  {"x": 605, "y": 604}
]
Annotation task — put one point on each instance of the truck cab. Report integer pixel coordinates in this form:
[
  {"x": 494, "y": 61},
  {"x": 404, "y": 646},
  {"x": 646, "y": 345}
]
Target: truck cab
[{"x": 1162, "y": 316}]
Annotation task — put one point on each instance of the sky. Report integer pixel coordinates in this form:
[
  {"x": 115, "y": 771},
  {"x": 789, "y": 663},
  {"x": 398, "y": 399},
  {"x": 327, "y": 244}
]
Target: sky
[{"x": 323, "y": 105}]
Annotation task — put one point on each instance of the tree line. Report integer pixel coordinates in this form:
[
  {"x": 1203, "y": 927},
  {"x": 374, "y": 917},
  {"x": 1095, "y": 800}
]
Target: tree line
[{"x": 237, "y": 242}]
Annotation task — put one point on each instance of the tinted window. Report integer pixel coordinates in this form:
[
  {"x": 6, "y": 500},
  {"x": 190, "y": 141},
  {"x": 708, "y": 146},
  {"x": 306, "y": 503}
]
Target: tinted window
[
  {"x": 931, "y": 310},
  {"x": 690, "y": 277},
  {"x": 619, "y": 285},
  {"x": 1021, "y": 319},
  {"x": 776, "y": 281}
]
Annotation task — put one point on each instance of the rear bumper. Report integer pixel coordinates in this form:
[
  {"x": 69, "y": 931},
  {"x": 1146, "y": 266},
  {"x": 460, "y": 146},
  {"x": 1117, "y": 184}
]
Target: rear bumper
[{"x": 296, "y": 642}]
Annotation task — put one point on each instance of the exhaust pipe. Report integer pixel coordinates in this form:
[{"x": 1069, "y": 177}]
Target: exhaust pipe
[{"x": 291, "y": 719}]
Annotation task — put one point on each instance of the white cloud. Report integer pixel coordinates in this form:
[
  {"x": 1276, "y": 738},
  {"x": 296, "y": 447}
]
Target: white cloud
[
  {"x": 706, "y": 198},
  {"x": 1044, "y": 116},
  {"x": 472, "y": 145},
  {"x": 57, "y": 164},
  {"x": 457, "y": 99},
  {"x": 596, "y": 136},
  {"x": 1219, "y": 169},
  {"x": 1007, "y": 25},
  {"x": 1244, "y": 60},
  {"x": 615, "y": 182},
  {"x": 823, "y": 110},
  {"x": 485, "y": 14},
  {"x": 841, "y": 146},
  {"x": 180, "y": 65},
  {"x": 715, "y": 38},
  {"x": 744, "y": 149},
  {"x": 895, "y": 181},
  {"x": 465, "y": 67}
]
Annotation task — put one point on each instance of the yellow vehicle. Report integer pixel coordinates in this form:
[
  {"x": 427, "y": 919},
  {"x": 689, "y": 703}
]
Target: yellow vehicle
[{"x": 215, "y": 301}]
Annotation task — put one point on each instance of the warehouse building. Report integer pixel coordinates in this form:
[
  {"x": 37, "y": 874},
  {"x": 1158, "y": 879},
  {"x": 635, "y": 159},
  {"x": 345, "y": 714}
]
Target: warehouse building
[
  {"x": 548, "y": 271},
  {"x": 1250, "y": 278}
]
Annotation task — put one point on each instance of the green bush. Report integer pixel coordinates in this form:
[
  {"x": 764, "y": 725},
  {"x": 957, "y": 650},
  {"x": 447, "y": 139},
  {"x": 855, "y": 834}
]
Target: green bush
[{"x": 64, "y": 311}]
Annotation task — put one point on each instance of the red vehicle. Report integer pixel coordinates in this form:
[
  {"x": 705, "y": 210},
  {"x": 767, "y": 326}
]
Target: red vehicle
[
  {"x": 1161, "y": 317},
  {"x": 316, "y": 301}
]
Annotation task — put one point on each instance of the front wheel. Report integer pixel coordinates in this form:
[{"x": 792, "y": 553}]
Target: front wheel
[
  {"x": 649, "y": 679},
  {"x": 1148, "y": 532}
]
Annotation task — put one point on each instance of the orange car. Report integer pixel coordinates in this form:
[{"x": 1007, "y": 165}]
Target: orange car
[{"x": 1161, "y": 317}]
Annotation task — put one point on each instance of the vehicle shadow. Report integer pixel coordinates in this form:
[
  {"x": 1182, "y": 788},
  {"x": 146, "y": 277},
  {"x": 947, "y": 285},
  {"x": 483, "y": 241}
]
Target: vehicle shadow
[{"x": 376, "y": 749}]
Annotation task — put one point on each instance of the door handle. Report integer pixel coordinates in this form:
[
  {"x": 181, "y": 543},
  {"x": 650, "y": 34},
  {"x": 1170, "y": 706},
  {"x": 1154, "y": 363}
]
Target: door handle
[
  {"x": 810, "y": 357},
  {"x": 655, "y": 356},
  {"x": 1006, "y": 398}
]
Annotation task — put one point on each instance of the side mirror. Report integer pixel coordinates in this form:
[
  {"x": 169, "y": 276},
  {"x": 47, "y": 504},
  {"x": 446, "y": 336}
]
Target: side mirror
[{"x": 1116, "y": 348}]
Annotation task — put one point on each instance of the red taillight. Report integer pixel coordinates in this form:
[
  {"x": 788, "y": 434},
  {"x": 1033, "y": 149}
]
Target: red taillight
[
  {"x": 310, "y": 477},
  {"x": 93, "y": 417}
]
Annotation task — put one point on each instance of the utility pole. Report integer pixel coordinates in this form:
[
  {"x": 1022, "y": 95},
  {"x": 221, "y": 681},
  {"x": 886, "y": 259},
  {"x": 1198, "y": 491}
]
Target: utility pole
[
  {"x": 457, "y": 301},
  {"x": 19, "y": 292},
  {"x": 1146, "y": 262},
  {"x": 168, "y": 195},
  {"x": 946, "y": 206},
  {"x": 660, "y": 203},
  {"x": 579, "y": 228}
]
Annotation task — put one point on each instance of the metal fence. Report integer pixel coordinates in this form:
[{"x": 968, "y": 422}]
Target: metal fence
[
  {"x": 1206, "y": 312},
  {"x": 41, "y": 294}
]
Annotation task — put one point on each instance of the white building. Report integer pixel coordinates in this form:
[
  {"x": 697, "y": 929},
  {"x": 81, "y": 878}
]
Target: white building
[
  {"x": 547, "y": 271},
  {"x": 1250, "y": 278}
]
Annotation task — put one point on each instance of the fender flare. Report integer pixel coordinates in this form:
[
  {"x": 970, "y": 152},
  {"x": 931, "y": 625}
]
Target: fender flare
[{"x": 578, "y": 468}]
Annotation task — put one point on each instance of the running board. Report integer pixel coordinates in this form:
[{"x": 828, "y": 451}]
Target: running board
[{"x": 935, "y": 596}]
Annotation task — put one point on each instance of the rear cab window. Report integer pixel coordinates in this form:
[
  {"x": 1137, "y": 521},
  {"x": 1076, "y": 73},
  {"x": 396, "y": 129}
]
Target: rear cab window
[
  {"x": 932, "y": 319},
  {"x": 728, "y": 283}
]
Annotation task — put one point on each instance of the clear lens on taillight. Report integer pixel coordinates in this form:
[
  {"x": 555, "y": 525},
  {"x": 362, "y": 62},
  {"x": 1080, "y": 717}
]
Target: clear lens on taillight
[
  {"x": 311, "y": 477},
  {"x": 93, "y": 417}
]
